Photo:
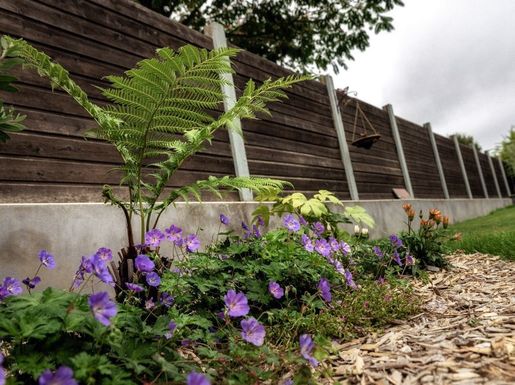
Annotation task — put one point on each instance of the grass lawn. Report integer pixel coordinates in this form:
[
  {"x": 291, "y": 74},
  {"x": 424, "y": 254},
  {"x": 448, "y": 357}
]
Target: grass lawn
[{"x": 492, "y": 234}]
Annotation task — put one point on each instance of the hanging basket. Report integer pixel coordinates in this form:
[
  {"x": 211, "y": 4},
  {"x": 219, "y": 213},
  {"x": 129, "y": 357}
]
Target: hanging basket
[{"x": 366, "y": 141}]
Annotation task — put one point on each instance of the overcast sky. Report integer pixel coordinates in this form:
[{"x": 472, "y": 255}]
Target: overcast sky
[{"x": 448, "y": 62}]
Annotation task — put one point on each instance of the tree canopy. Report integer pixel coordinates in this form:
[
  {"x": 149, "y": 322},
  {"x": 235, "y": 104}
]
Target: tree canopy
[
  {"x": 300, "y": 34},
  {"x": 507, "y": 151},
  {"x": 467, "y": 140}
]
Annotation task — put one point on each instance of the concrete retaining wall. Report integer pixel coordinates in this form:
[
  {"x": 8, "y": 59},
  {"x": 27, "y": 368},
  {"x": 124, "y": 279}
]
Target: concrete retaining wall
[{"x": 71, "y": 230}]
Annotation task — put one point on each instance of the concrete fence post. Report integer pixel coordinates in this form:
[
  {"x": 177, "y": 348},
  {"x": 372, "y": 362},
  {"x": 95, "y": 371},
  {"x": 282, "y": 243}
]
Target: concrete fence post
[
  {"x": 480, "y": 171},
  {"x": 462, "y": 166},
  {"x": 342, "y": 140},
  {"x": 494, "y": 174},
  {"x": 400, "y": 150},
  {"x": 437, "y": 160},
  {"x": 503, "y": 173},
  {"x": 239, "y": 155}
]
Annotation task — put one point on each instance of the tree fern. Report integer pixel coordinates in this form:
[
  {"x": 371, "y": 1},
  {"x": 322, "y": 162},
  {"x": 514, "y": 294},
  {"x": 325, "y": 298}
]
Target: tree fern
[{"x": 161, "y": 114}]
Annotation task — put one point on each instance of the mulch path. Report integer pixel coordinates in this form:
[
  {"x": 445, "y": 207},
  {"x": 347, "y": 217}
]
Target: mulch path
[{"x": 465, "y": 334}]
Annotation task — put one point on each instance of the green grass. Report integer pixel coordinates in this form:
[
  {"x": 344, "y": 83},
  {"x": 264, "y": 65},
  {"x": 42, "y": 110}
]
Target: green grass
[{"x": 492, "y": 234}]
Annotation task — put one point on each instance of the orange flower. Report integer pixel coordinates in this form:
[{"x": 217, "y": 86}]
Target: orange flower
[
  {"x": 407, "y": 207},
  {"x": 411, "y": 214},
  {"x": 433, "y": 213},
  {"x": 438, "y": 218}
]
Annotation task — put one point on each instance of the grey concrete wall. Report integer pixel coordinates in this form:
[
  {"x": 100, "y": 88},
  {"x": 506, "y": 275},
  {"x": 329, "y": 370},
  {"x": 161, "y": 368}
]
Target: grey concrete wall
[{"x": 70, "y": 230}]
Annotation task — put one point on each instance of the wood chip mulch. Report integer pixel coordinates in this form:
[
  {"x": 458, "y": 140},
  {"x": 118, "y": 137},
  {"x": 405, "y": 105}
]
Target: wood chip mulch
[{"x": 465, "y": 334}]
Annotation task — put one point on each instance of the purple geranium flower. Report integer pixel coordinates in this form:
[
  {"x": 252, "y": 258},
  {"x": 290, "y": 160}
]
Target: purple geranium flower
[
  {"x": 149, "y": 304},
  {"x": 322, "y": 247},
  {"x": 10, "y": 286},
  {"x": 302, "y": 221},
  {"x": 46, "y": 259},
  {"x": 378, "y": 251},
  {"x": 102, "y": 307},
  {"x": 195, "y": 378},
  {"x": 101, "y": 271},
  {"x": 154, "y": 237},
  {"x": 260, "y": 220},
  {"x": 153, "y": 279},
  {"x": 104, "y": 254},
  {"x": 192, "y": 243},
  {"x": 410, "y": 261},
  {"x": 318, "y": 228},
  {"x": 397, "y": 258},
  {"x": 349, "y": 280},
  {"x": 395, "y": 241},
  {"x": 31, "y": 283},
  {"x": 236, "y": 304},
  {"x": 325, "y": 289},
  {"x": 167, "y": 299},
  {"x": 252, "y": 331},
  {"x": 63, "y": 376},
  {"x": 174, "y": 235},
  {"x": 344, "y": 247},
  {"x": 244, "y": 226},
  {"x": 291, "y": 223},
  {"x": 256, "y": 232},
  {"x": 224, "y": 219},
  {"x": 335, "y": 245},
  {"x": 134, "y": 287},
  {"x": 306, "y": 349},
  {"x": 338, "y": 266},
  {"x": 171, "y": 329},
  {"x": 307, "y": 243},
  {"x": 144, "y": 264},
  {"x": 276, "y": 290}
]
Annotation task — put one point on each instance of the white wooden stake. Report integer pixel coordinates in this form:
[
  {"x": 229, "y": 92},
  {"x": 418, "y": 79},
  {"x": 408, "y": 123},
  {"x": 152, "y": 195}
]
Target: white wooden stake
[
  {"x": 342, "y": 141},
  {"x": 438, "y": 161},
  {"x": 462, "y": 166},
  {"x": 239, "y": 155},
  {"x": 400, "y": 151},
  {"x": 496, "y": 182},
  {"x": 480, "y": 171}
]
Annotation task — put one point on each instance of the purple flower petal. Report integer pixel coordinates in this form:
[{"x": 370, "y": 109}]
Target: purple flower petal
[
  {"x": 252, "y": 331},
  {"x": 192, "y": 243},
  {"x": 306, "y": 349},
  {"x": 144, "y": 264},
  {"x": 195, "y": 378},
  {"x": 276, "y": 290},
  {"x": 349, "y": 280},
  {"x": 63, "y": 376},
  {"x": 325, "y": 289},
  {"x": 236, "y": 304},
  {"x": 153, "y": 279},
  {"x": 102, "y": 307},
  {"x": 46, "y": 259},
  {"x": 345, "y": 248},
  {"x": 134, "y": 287}
]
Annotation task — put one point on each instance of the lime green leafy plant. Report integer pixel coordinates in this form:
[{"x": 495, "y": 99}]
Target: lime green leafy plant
[{"x": 158, "y": 117}]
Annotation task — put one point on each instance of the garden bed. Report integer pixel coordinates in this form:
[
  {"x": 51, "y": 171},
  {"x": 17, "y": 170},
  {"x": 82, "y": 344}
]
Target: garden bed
[{"x": 465, "y": 335}]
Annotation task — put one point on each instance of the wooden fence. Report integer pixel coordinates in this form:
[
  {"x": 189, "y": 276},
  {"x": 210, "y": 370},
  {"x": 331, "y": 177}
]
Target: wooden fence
[{"x": 52, "y": 162}]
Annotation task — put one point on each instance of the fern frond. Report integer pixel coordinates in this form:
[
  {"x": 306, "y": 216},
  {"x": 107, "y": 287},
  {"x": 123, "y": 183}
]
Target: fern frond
[{"x": 226, "y": 183}]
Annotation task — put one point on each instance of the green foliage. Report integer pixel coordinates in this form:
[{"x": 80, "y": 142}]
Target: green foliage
[
  {"x": 159, "y": 116},
  {"x": 492, "y": 234},
  {"x": 53, "y": 328},
  {"x": 507, "y": 152},
  {"x": 10, "y": 121},
  {"x": 467, "y": 140},
  {"x": 299, "y": 34}
]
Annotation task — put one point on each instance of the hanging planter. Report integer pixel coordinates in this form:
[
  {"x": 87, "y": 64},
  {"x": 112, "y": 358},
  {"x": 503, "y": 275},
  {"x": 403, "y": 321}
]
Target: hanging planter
[{"x": 364, "y": 139}]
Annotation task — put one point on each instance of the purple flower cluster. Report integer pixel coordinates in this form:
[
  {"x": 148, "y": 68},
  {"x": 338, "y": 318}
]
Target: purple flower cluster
[
  {"x": 96, "y": 265},
  {"x": 306, "y": 349},
  {"x": 236, "y": 305},
  {"x": 62, "y": 376},
  {"x": 103, "y": 307},
  {"x": 291, "y": 223},
  {"x": 10, "y": 287},
  {"x": 395, "y": 241},
  {"x": 154, "y": 237}
]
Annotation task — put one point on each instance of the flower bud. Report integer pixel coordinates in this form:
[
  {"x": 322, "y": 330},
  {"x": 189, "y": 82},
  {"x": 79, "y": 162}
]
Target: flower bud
[
  {"x": 357, "y": 230},
  {"x": 364, "y": 232},
  {"x": 411, "y": 214},
  {"x": 445, "y": 222}
]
